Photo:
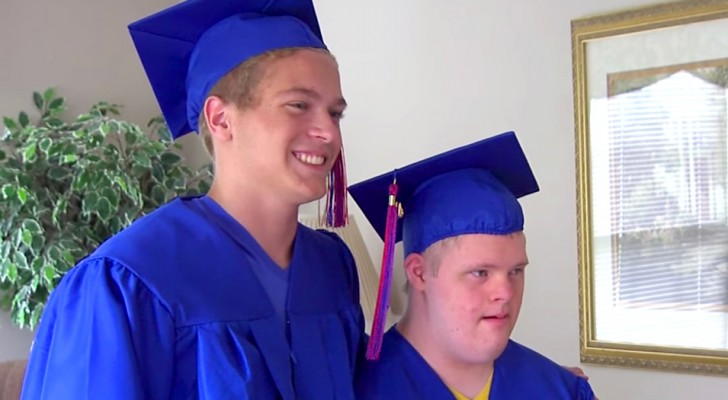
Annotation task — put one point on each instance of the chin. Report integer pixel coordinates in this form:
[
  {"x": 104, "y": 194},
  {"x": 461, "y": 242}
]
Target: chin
[
  {"x": 308, "y": 194},
  {"x": 491, "y": 348}
]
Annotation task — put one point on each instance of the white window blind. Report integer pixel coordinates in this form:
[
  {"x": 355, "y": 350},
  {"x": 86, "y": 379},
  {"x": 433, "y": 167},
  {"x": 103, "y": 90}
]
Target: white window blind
[{"x": 663, "y": 255}]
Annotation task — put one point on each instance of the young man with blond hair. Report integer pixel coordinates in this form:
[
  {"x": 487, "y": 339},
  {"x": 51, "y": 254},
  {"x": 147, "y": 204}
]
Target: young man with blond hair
[{"x": 223, "y": 295}]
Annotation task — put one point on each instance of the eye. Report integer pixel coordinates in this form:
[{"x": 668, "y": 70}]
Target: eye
[
  {"x": 298, "y": 105},
  {"x": 479, "y": 273},
  {"x": 517, "y": 271},
  {"x": 337, "y": 115}
]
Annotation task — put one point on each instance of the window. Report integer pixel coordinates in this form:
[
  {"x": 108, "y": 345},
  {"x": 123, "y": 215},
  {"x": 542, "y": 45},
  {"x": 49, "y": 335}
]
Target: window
[
  {"x": 651, "y": 119},
  {"x": 662, "y": 239}
]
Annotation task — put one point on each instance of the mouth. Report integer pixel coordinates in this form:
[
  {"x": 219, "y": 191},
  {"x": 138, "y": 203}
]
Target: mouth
[
  {"x": 309, "y": 158},
  {"x": 498, "y": 318}
]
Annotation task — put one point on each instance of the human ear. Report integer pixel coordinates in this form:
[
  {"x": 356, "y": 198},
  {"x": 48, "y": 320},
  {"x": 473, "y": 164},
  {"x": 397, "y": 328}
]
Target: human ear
[
  {"x": 415, "y": 267},
  {"x": 217, "y": 118}
]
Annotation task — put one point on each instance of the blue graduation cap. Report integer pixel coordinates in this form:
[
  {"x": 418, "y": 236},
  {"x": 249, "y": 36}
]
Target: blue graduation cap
[
  {"x": 471, "y": 189},
  {"x": 188, "y": 47}
]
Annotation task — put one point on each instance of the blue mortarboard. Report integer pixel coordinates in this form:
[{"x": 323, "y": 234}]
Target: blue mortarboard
[
  {"x": 471, "y": 189},
  {"x": 188, "y": 47}
]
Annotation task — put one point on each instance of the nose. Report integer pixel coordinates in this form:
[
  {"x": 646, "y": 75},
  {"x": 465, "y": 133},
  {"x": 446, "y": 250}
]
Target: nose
[
  {"x": 326, "y": 128},
  {"x": 501, "y": 289}
]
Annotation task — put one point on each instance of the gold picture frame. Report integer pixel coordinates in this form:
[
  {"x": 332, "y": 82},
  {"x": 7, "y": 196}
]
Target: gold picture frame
[{"x": 614, "y": 57}]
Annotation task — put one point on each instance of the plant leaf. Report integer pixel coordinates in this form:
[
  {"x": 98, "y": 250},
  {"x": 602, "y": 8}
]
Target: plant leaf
[
  {"x": 48, "y": 94},
  {"x": 56, "y": 104},
  {"x": 55, "y": 149},
  {"x": 37, "y": 245},
  {"x": 8, "y": 190},
  {"x": 139, "y": 171},
  {"x": 22, "y": 195},
  {"x": 10, "y": 124},
  {"x": 54, "y": 253},
  {"x": 20, "y": 260},
  {"x": 103, "y": 208},
  {"x": 5, "y": 245},
  {"x": 23, "y": 119},
  {"x": 54, "y": 122},
  {"x": 37, "y": 265},
  {"x": 58, "y": 173},
  {"x": 12, "y": 272},
  {"x": 130, "y": 138},
  {"x": 32, "y": 226},
  {"x": 29, "y": 152},
  {"x": 158, "y": 195},
  {"x": 35, "y": 316},
  {"x": 203, "y": 187},
  {"x": 19, "y": 312},
  {"x": 89, "y": 202},
  {"x": 81, "y": 181},
  {"x": 18, "y": 238},
  {"x": 111, "y": 195},
  {"x": 27, "y": 238},
  {"x": 170, "y": 158},
  {"x": 143, "y": 159},
  {"x": 48, "y": 273},
  {"x": 45, "y": 144},
  {"x": 69, "y": 257},
  {"x": 4, "y": 264},
  {"x": 38, "y": 100},
  {"x": 80, "y": 133},
  {"x": 34, "y": 283}
]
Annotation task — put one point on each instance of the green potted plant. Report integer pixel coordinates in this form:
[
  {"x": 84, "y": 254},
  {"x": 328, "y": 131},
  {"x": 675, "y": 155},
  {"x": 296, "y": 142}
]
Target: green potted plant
[{"x": 65, "y": 187}]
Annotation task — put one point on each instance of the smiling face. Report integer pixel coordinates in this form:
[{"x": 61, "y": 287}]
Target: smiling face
[
  {"x": 473, "y": 294},
  {"x": 286, "y": 141}
]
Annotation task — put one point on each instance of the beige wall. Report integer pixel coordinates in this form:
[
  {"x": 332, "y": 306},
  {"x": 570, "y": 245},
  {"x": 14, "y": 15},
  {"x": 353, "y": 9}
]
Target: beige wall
[{"x": 421, "y": 76}]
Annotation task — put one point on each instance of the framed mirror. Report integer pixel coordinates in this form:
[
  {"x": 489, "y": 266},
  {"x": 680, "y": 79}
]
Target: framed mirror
[{"x": 651, "y": 120}]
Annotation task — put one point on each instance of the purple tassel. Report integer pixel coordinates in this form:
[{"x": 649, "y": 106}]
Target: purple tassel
[
  {"x": 385, "y": 280},
  {"x": 337, "y": 212}
]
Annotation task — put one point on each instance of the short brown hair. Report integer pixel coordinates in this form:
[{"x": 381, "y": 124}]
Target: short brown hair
[
  {"x": 434, "y": 253},
  {"x": 239, "y": 86}
]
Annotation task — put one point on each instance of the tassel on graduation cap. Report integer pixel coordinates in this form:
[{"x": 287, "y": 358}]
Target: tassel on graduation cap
[
  {"x": 385, "y": 280},
  {"x": 337, "y": 213}
]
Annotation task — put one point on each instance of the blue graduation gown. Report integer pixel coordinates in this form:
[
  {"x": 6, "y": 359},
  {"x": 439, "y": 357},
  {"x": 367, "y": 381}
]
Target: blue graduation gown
[
  {"x": 170, "y": 309},
  {"x": 519, "y": 373}
]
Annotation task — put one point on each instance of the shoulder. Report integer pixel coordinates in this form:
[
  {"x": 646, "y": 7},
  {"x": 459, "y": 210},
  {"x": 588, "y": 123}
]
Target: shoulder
[
  {"x": 330, "y": 244},
  {"x": 159, "y": 250},
  {"x": 325, "y": 239},
  {"x": 516, "y": 353},
  {"x": 154, "y": 230},
  {"x": 97, "y": 284},
  {"x": 399, "y": 373},
  {"x": 158, "y": 244},
  {"x": 545, "y": 375},
  {"x": 520, "y": 356}
]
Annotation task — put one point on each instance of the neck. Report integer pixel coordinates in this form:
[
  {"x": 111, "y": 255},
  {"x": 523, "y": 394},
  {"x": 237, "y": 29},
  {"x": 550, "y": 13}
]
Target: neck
[
  {"x": 270, "y": 221},
  {"x": 465, "y": 377}
]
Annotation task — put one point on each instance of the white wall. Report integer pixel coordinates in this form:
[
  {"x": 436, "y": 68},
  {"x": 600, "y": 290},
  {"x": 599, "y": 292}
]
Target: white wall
[{"x": 421, "y": 76}]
